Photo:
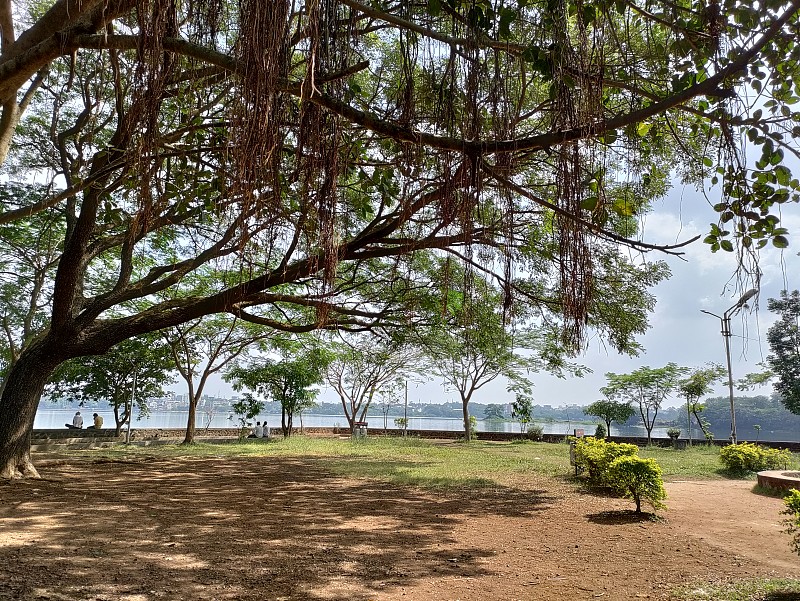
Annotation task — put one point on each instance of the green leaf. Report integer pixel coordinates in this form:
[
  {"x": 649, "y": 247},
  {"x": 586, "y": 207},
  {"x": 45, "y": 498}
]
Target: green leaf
[
  {"x": 643, "y": 128},
  {"x": 507, "y": 17},
  {"x": 726, "y": 245},
  {"x": 780, "y": 242},
  {"x": 589, "y": 203}
]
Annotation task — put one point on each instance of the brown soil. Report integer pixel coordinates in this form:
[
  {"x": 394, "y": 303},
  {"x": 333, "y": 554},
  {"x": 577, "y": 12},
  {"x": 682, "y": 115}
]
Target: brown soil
[{"x": 254, "y": 529}]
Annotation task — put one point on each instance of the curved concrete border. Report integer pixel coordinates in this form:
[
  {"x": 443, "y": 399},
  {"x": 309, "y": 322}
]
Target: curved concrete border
[{"x": 779, "y": 479}]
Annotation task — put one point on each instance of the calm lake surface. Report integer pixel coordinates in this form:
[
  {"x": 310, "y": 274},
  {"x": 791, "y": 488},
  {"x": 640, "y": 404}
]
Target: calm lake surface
[{"x": 56, "y": 418}]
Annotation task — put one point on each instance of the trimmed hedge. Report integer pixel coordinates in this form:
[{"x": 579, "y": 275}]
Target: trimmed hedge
[{"x": 749, "y": 457}]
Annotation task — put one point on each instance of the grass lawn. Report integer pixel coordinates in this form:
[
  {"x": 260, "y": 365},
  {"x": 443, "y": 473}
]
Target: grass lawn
[
  {"x": 432, "y": 464},
  {"x": 777, "y": 589}
]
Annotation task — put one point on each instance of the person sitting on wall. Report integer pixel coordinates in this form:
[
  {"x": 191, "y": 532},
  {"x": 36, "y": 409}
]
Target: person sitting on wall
[
  {"x": 266, "y": 430},
  {"x": 98, "y": 423},
  {"x": 258, "y": 431},
  {"x": 77, "y": 422}
]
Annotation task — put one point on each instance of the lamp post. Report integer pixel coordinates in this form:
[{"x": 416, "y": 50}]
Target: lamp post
[{"x": 725, "y": 321}]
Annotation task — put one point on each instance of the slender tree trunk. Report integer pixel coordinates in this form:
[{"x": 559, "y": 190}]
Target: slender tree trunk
[
  {"x": 350, "y": 415},
  {"x": 18, "y": 404},
  {"x": 190, "y": 421},
  {"x": 117, "y": 421},
  {"x": 465, "y": 413}
]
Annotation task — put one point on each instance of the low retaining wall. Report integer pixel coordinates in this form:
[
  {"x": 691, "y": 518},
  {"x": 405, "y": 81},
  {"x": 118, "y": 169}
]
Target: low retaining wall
[
  {"x": 66, "y": 436},
  {"x": 779, "y": 479}
]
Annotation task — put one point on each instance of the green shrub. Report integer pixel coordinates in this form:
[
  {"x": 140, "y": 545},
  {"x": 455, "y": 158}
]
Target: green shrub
[
  {"x": 638, "y": 479},
  {"x": 776, "y": 459},
  {"x": 749, "y": 457},
  {"x": 535, "y": 432},
  {"x": 792, "y": 502},
  {"x": 600, "y": 431},
  {"x": 674, "y": 433},
  {"x": 595, "y": 455}
]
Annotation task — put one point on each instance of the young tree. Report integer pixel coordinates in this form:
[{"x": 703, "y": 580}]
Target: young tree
[
  {"x": 647, "y": 387},
  {"x": 362, "y": 367},
  {"x": 522, "y": 410},
  {"x": 247, "y": 408},
  {"x": 610, "y": 411},
  {"x": 288, "y": 381},
  {"x": 317, "y": 163},
  {"x": 698, "y": 383},
  {"x": 696, "y": 408},
  {"x": 203, "y": 347},
  {"x": 784, "y": 343},
  {"x": 390, "y": 395},
  {"x": 144, "y": 362}
]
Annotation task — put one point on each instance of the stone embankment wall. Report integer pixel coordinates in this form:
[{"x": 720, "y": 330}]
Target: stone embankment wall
[{"x": 223, "y": 434}]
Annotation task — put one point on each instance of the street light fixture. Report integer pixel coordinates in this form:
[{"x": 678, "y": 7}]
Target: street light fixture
[{"x": 725, "y": 321}]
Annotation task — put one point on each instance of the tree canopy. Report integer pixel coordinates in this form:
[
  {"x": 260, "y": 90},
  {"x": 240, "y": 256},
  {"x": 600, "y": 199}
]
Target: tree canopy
[
  {"x": 314, "y": 152},
  {"x": 784, "y": 345},
  {"x": 611, "y": 411},
  {"x": 648, "y": 387}
]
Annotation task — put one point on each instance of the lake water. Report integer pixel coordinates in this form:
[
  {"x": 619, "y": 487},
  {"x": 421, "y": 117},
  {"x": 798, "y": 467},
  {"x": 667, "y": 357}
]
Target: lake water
[{"x": 56, "y": 418}]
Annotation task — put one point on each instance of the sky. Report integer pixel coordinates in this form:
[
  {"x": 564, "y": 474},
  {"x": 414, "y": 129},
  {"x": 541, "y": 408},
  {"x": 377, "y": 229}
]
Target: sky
[{"x": 679, "y": 332}]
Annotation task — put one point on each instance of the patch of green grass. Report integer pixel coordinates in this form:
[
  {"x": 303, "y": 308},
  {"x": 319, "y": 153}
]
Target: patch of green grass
[
  {"x": 744, "y": 590},
  {"x": 424, "y": 462},
  {"x": 698, "y": 461},
  {"x": 410, "y": 461}
]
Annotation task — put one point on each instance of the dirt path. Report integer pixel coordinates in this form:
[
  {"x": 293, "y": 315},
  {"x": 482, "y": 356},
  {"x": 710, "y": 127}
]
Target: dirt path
[{"x": 251, "y": 529}]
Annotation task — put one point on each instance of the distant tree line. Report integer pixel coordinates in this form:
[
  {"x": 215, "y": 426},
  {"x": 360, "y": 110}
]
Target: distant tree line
[{"x": 767, "y": 412}]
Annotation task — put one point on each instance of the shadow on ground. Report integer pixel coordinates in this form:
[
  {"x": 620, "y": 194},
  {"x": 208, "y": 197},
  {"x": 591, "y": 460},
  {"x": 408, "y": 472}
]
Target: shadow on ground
[
  {"x": 613, "y": 518},
  {"x": 242, "y": 528}
]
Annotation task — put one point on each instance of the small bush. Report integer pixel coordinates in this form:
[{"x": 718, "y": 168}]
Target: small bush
[
  {"x": 674, "y": 433},
  {"x": 748, "y": 457},
  {"x": 595, "y": 455},
  {"x": 792, "y": 502},
  {"x": 600, "y": 431},
  {"x": 535, "y": 432},
  {"x": 638, "y": 479}
]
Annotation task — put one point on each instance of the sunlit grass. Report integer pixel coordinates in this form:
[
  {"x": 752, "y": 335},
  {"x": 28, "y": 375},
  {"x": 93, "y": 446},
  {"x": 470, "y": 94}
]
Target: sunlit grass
[
  {"x": 428, "y": 463},
  {"x": 744, "y": 590},
  {"x": 698, "y": 461}
]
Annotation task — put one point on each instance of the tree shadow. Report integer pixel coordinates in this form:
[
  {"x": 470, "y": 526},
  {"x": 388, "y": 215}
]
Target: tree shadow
[
  {"x": 621, "y": 516},
  {"x": 209, "y": 528}
]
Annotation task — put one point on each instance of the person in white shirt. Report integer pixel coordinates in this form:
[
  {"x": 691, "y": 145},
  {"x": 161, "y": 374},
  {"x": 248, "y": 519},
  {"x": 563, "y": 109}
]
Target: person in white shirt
[
  {"x": 266, "y": 430},
  {"x": 258, "y": 431},
  {"x": 77, "y": 421}
]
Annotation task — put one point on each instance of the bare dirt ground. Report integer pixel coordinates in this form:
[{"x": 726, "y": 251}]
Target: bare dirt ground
[{"x": 250, "y": 529}]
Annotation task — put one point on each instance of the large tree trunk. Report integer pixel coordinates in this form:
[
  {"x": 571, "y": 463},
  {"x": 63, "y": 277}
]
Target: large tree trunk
[{"x": 24, "y": 386}]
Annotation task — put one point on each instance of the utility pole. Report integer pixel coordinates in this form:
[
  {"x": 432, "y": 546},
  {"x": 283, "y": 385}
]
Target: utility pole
[{"x": 725, "y": 322}]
